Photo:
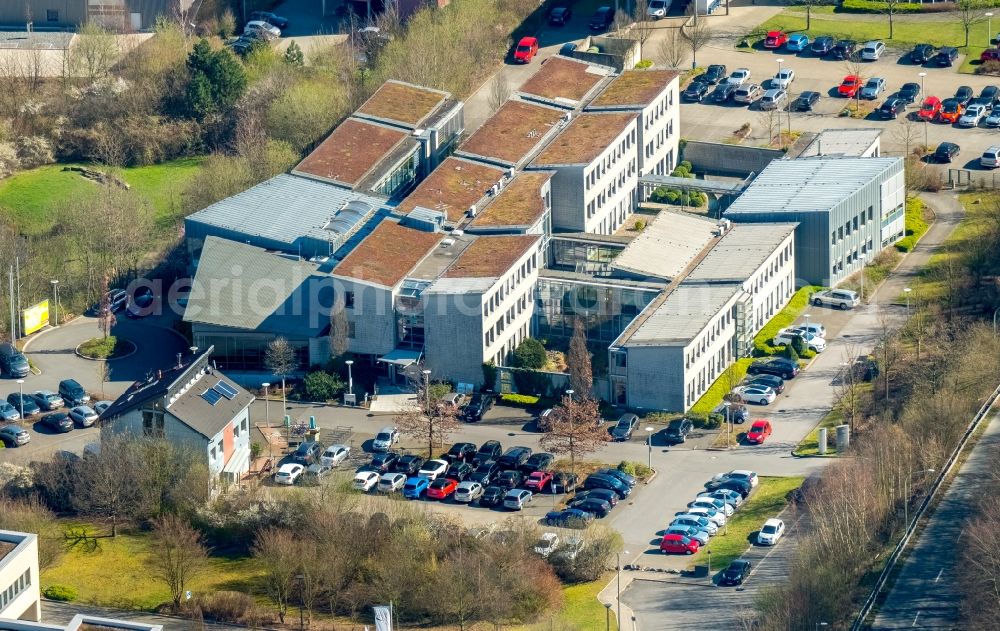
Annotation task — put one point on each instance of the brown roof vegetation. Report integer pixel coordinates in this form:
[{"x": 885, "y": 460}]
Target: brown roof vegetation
[
  {"x": 452, "y": 187},
  {"x": 388, "y": 254},
  {"x": 519, "y": 204},
  {"x": 350, "y": 151},
  {"x": 512, "y": 132},
  {"x": 560, "y": 77},
  {"x": 489, "y": 257},
  {"x": 635, "y": 87},
  {"x": 6, "y": 547},
  {"x": 401, "y": 102},
  {"x": 585, "y": 138}
]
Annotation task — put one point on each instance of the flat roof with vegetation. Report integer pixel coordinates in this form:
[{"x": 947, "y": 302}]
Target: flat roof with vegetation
[
  {"x": 586, "y": 138},
  {"x": 452, "y": 187},
  {"x": 403, "y": 102},
  {"x": 350, "y": 151},
  {"x": 490, "y": 257},
  {"x": 513, "y": 131},
  {"x": 518, "y": 204},
  {"x": 388, "y": 254},
  {"x": 563, "y": 78},
  {"x": 635, "y": 87}
]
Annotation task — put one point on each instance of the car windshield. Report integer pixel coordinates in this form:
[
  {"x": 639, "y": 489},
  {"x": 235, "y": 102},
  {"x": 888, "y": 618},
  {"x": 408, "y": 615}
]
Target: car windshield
[
  {"x": 757, "y": 427},
  {"x": 769, "y": 530},
  {"x": 383, "y": 436},
  {"x": 929, "y": 105},
  {"x": 951, "y": 108},
  {"x": 522, "y": 48}
]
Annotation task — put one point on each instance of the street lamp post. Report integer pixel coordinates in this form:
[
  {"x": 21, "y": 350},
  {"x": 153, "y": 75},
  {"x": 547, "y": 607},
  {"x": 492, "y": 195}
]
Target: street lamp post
[
  {"x": 923, "y": 94},
  {"x": 619, "y": 601},
  {"x": 427, "y": 389},
  {"x": 649, "y": 445},
  {"x": 729, "y": 425},
  {"x": 607, "y": 616},
  {"x": 569, "y": 393},
  {"x": 20, "y": 396},
  {"x": 989, "y": 27},
  {"x": 907, "y": 290},
  {"x": 55, "y": 298},
  {"x": 906, "y": 495},
  {"x": 350, "y": 377}
]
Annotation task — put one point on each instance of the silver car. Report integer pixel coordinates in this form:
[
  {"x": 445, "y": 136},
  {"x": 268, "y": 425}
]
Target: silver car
[
  {"x": 8, "y": 412},
  {"x": 84, "y": 415},
  {"x": 516, "y": 499},
  {"x": 773, "y": 99},
  {"x": 48, "y": 400}
]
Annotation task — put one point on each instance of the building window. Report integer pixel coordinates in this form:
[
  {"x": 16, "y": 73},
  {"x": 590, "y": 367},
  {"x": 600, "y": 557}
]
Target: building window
[
  {"x": 152, "y": 423},
  {"x": 51, "y": 15},
  {"x": 348, "y": 299}
]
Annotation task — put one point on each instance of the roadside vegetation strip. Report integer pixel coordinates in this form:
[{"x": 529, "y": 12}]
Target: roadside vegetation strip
[
  {"x": 918, "y": 218},
  {"x": 784, "y": 318},
  {"x": 580, "y": 610},
  {"x": 981, "y": 209},
  {"x": 768, "y": 500},
  {"x": 810, "y": 444},
  {"x": 720, "y": 387}
]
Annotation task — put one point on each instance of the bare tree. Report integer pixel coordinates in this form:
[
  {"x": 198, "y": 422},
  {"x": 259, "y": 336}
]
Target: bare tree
[
  {"x": 906, "y": 132},
  {"x": 106, "y": 319},
  {"x": 642, "y": 28},
  {"x": 672, "y": 49},
  {"x": 94, "y": 51},
  {"x": 339, "y": 333},
  {"x": 808, "y": 4},
  {"x": 581, "y": 372},
  {"x": 108, "y": 483},
  {"x": 178, "y": 555},
  {"x": 277, "y": 555},
  {"x": 855, "y": 66},
  {"x": 770, "y": 122},
  {"x": 431, "y": 422},
  {"x": 279, "y": 358},
  {"x": 848, "y": 389},
  {"x": 698, "y": 35},
  {"x": 970, "y": 13},
  {"x": 890, "y": 10},
  {"x": 499, "y": 91},
  {"x": 576, "y": 429}
]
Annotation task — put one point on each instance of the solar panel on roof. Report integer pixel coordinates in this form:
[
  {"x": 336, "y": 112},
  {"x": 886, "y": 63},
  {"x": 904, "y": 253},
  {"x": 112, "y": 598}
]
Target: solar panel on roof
[
  {"x": 226, "y": 390},
  {"x": 211, "y": 395}
]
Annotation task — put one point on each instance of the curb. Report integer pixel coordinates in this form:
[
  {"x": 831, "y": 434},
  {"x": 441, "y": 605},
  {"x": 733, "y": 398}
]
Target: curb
[
  {"x": 135, "y": 349},
  {"x": 902, "y": 259},
  {"x": 35, "y": 336}
]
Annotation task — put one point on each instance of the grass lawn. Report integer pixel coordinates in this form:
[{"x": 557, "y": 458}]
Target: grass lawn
[
  {"x": 115, "y": 573},
  {"x": 32, "y": 198},
  {"x": 917, "y": 218},
  {"x": 767, "y": 501},
  {"x": 810, "y": 444},
  {"x": 929, "y": 285},
  {"x": 581, "y": 611}
]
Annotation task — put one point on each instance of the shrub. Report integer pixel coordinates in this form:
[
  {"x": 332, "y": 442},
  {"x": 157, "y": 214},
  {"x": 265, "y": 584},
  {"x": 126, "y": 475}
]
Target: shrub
[
  {"x": 530, "y": 354},
  {"x": 686, "y": 164},
  {"x": 489, "y": 375},
  {"x": 874, "y": 6},
  {"x": 989, "y": 67},
  {"x": 60, "y": 592},
  {"x": 526, "y": 400},
  {"x": 645, "y": 63},
  {"x": 636, "y": 469},
  {"x": 233, "y": 607},
  {"x": 799, "y": 344},
  {"x": 99, "y": 347},
  {"x": 791, "y": 353},
  {"x": 321, "y": 386}
]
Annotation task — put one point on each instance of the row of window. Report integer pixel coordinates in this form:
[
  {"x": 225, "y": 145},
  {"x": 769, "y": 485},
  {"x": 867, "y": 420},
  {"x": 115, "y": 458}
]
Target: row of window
[
  {"x": 852, "y": 257},
  {"x": 852, "y": 226},
  {"x": 616, "y": 217},
  {"x": 777, "y": 263},
  {"x": 519, "y": 307},
  {"x": 659, "y": 140},
  {"x": 596, "y": 205},
  {"x": 14, "y": 590},
  {"x": 599, "y": 170},
  {"x": 661, "y": 109},
  {"x": 708, "y": 336},
  {"x": 709, "y": 373},
  {"x": 500, "y": 358},
  {"x": 497, "y": 297}
]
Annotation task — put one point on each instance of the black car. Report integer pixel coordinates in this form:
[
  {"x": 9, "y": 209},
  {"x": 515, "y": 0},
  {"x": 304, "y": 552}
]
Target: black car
[
  {"x": 58, "y": 422},
  {"x": 740, "y": 486},
  {"x": 695, "y": 91},
  {"x": 922, "y": 53},
  {"x": 946, "y": 152},
  {"x": 308, "y": 453},
  {"x": 72, "y": 393},
  {"x": 569, "y": 518},
  {"x": 567, "y": 49},
  {"x": 624, "y": 428},
  {"x": 945, "y": 57},
  {"x": 492, "y": 496},
  {"x": 606, "y": 495},
  {"x": 560, "y": 15},
  {"x": 805, "y": 101},
  {"x": 723, "y": 92},
  {"x": 620, "y": 475},
  {"x": 891, "y": 108},
  {"x": 384, "y": 462},
  {"x": 563, "y": 482},
  {"x": 844, "y": 49},
  {"x": 603, "y": 18},
  {"x": 408, "y": 464},
  {"x": 736, "y": 573},
  {"x": 270, "y": 18},
  {"x": 460, "y": 452},
  {"x": 541, "y": 461},
  {"x": 773, "y": 382},
  {"x": 909, "y": 93},
  {"x": 598, "y": 481},
  {"x": 992, "y": 93},
  {"x": 677, "y": 431},
  {"x": 514, "y": 458},
  {"x": 490, "y": 450},
  {"x": 593, "y": 505},
  {"x": 509, "y": 479},
  {"x": 25, "y": 405},
  {"x": 784, "y": 368},
  {"x": 459, "y": 471},
  {"x": 478, "y": 406},
  {"x": 963, "y": 95},
  {"x": 714, "y": 74},
  {"x": 140, "y": 305},
  {"x": 822, "y": 46},
  {"x": 485, "y": 472}
]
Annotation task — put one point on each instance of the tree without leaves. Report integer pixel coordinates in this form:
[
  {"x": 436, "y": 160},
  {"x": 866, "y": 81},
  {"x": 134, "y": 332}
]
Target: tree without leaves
[
  {"x": 94, "y": 51},
  {"x": 109, "y": 485},
  {"x": 431, "y": 423},
  {"x": 279, "y": 358},
  {"x": 970, "y": 13},
  {"x": 576, "y": 429},
  {"x": 642, "y": 28},
  {"x": 672, "y": 49},
  {"x": 581, "y": 373},
  {"x": 178, "y": 555},
  {"x": 106, "y": 316},
  {"x": 277, "y": 555},
  {"x": 499, "y": 91},
  {"x": 698, "y": 35}
]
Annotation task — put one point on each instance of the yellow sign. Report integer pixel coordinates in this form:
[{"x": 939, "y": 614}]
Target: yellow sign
[{"x": 35, "y": 317}]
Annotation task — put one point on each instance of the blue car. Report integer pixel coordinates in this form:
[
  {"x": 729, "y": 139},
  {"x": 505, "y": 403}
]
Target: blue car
[
  {"x": 797, "y": 43},
  {"x": 415, "y": 488},
  {"x": 569, "y": 518}
]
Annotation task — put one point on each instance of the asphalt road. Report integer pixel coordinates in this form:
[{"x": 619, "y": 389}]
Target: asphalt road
[{"x": 925, "y": 594}]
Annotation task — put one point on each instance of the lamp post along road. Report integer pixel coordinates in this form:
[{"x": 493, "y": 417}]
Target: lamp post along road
[
  {"x": 924, "y": 94},
  {"x": 350, "y": 377},
  {"x": 55, "y": 299},
  {"x": 20, "y": 397},
  {"x": 649, "y": 446}
]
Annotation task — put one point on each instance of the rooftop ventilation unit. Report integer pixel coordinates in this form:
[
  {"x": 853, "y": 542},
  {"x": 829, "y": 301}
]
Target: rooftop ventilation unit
[
  {"x": 472, "y": 211},
  {"x": 447, "y": 243}
]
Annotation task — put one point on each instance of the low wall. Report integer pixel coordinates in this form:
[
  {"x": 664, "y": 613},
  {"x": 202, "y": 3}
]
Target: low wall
[{"x": 730, "y": 160}]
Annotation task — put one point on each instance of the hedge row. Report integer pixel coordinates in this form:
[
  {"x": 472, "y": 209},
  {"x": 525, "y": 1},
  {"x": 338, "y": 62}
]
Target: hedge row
[{"x": 874, "y": 6}]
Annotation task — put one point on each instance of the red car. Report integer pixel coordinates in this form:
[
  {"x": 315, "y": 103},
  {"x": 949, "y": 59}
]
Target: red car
[
  {"x": 537, "y": 481},
  {"x": 849, "y": 86},
  {"x": 775, "y": 39},
  {"x": 929, "y": 109},
  {"x": 526, "y": 50},
  {"x": 441, "y": 488},
  {"x": 678, "y": 544},
  {"x": 759, "y": 432},
  {"x": 990, "y": 54}
]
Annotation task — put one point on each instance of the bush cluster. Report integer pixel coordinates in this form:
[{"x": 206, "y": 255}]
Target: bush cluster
[
  {"x": 874, "y": 6},
  {"x": 664, "y": 195},
  {"x": 527, "y": 400},
  {"x": 61, "y": 593}
]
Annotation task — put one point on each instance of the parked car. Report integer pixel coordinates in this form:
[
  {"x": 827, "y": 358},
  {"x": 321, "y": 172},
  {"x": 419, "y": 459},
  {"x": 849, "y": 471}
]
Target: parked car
[
  {"x": 415, "y": 487},
  {"x": 460, "y": 452},
  {"x": 929, "y": 109},
  {"x": 72, "y": 392},
  {"x": 773, "y": 382},
  {"x": 391, "y": 482},
  {"x": 849, "y": 86},
  {"x": 723, "y": 92},
  {"x": 547, "y": 544},
  {"x": 771, "y": 532},
  {"x": 514, "y": 457},
  {"x": 560, "y": 15},
  {"x": 865, "y": 367},
  {"x": 625, "y": 426},
  {"x": 657, "y": 9},
  {"x": 737, "y": 572},
  {"x": 619, "y": 475},
  {"x": 526, "y": 50},
  {"x": 678, "y": 544},
  {"x": 944, "y": 57},
  {"x": 951, "y": 111},
  {"x": 990, "y": 95},
  {"x": 775, "y": 39},
  {"x": 726, "y": 495},
  {"x": 755, "y": 394},
  {"x": 712, "y": 515},
  {"x": 714, "y": 74},
  {"x": 270, "y": 18},
  {"x": 516, "y": 499},
  {"x": 58, "y": 422},
  {"x": 567, "y": 49},
  {"x": 745, "y": 475},
  {"x": 603, "y": 495},
  {"x": 695, "y": 521},
  {"x": 844, "y": 49},
  {"x": 759, "y": 432},
  {"x": 773, "y": 99},
  {"x": 25, "y": 405},
  {"x": 366, "y": 480},
  {"x": 701, "y": 536},
  {"x": 747, "y": 93},
  {"x": 385, "y": 462},
  {"x": 479, "y": 405},
  {"x": 335, "y": 454},
  {"x": 468, "y": 492},
  {"x": 742, "y": 487},
  {"x": 102, "y": 406},
  {"x": 47, "y": 400},
  {"x": 695, "y": 91},
  {"x": 990, "y": 158},
  {"x": 541, "y": 461},
  {"x": 490, "y": 450},
  {"x": 972, "y": 116},
  {"x": 946, "y": 152},
  {"x": 677, "y": 431},
  {"x": 599, "y": 481},
  {"x": 891, "y": 108},
  {"x": 8, "y": 412},
  {"x": 739, "y": 76},
  {"x": 780, "y": 366},
  {"x": 922, "y": 53},
  {"x": 813, "y": 342},
  {"x": 509, "y": 478},
  {"x": 485, "y": 472},
  {"x": 568, "y": 518},
  {"x": 14, "y": 436},
  {"x": 492, "y": 496},
  {"x": 839, "y": 298},
  {"x": 990, "y": 54},
  {"x": 596, "y": 506},
  {"x": 441, "y": 489},
  {"x": 83, "y": 415},
  {"x": 603, "y": 18},
  {"x": 964, "y": 95},
  {"x": 459, "y": 471},
  {"x": 909, "y": 93},
  {"x": 783, "y": 79},
  {"x": 263, "y": 28},
  {"x": 433, "y": 469},
  {"x": 805, "y": 101},
  {"x": 712, "y": 503},
  {"x": 563, "y": 482},
  {"x": 872, "y": 50},
  {"x": 822, "y": 46},
  {"x": 873, "y": 88},
  {"x": 289, "y": 473},
  {"x": 538, "y": 481},
  {"x": 385, "y": 439}
]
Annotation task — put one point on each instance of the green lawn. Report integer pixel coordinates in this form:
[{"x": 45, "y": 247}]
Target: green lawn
[
  {"x": 928, "y": 285},
  {"x": 115, "y": 573},
  {"x": 767, "y": 501},
  {"x": 581, "y": 611},
  {"x": 810, "y": 444},
  {"x": 32, "y": 198}
]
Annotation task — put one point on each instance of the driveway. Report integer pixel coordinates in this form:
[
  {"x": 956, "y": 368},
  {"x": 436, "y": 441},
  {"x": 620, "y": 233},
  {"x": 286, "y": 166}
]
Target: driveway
[{"x": 305, "y": 17}]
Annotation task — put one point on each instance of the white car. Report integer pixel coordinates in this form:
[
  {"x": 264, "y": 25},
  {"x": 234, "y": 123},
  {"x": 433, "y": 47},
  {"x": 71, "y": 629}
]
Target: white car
[
  {"x": 770, "y": 532},
  {"x": 84, "y": 415},
  {"x": 710, "y": 514},
  {"x": 713, "y": 503},
  {"x": 335, "y": 454},
  {"x": 432, "y": 469},
  {"x": 972, "y": 116},
  {"x": 571, "y": 547},
  {"x": 755, "y": 394},
  {"x": 816, "y": 328},
  {"x": 990, "y": 158},
  {"x": 783, "y": 79},
  {"x": 657, "y": 9},
  {"x": 814, "y": 343},
  {"x": 260, "y": 27},
  {"x": 872, "y": 50},
  {"x": 744, "y": 474},
  {"x": 366, "y": 480},
  {"x": 288, "y": 473},
  {"x": 695, "y": 521},
  {"x": 547, "y": 544},
  {"x": 468, "y": 492},
  {"x": 385, "y": 439},
  {"x": 391, "y": 482},
  {"x": 739, "y": 76}
]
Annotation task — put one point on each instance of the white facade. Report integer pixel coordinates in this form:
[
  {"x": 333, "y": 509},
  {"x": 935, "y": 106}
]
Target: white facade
[
  {"x": 659, "y": 133},
  {"x": 609, "y": 184},
  {"x": 19, "y": 592}
]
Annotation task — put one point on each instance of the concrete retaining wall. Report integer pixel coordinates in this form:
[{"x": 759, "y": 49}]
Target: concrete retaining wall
[{"x": 731, "y": 160}]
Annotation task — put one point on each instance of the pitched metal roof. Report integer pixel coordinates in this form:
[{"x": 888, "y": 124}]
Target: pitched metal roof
[
  {"x": 667, "y": 245},
  {"x": 740, "y": 252},
  {"x": 687, "y": 310}
]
